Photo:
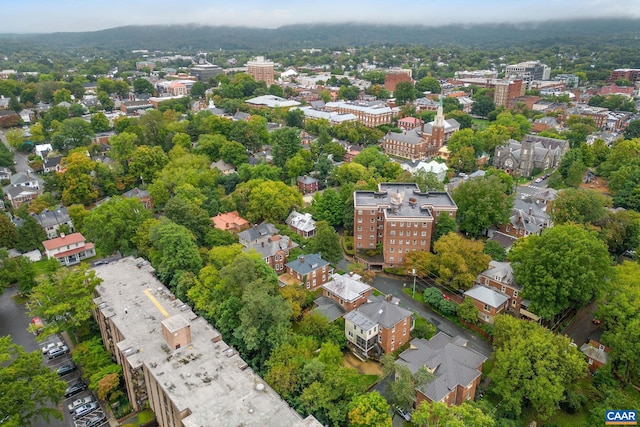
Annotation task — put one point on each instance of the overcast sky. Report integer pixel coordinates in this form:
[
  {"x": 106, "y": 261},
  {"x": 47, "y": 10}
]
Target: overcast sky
[{"x": 45, "y": 16}]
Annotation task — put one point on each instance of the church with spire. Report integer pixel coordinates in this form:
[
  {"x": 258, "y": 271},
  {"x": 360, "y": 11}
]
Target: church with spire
[{"x": 424, "y": 141}]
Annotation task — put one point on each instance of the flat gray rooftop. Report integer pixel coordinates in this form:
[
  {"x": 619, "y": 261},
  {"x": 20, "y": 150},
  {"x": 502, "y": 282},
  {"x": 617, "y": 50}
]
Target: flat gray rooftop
[
  {"x": 413, "y": 202},
  {"x": 209, "y": 379}
]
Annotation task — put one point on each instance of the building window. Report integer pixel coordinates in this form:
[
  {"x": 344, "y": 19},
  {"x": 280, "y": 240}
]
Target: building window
[
  {"x": 424, "y": 234},
  {"x": 359, "y": 236},
  {"x": 513, "y": 302},
  {"x": 371, "y": 229},
  {"x": 402, "y": 224},
  {"x": 372, "y": 220},
  {"x": 392, "y": 233},
  {"x": 359, "y": 228},
  {"x": 504, "y": 288},
  {"x": 359, "y": 220},
  {"x": 359, "y": 212},
  {"x": 379, "y": 338},
  {"x": 399, "y": 259},
  {"x": 393, "y": 224},
  {"x": 515, "y": 293},
  {"x": 486, "y": 307},
  {"x": 391, "y": 259},
  {"x": 392, "y": 250},
  {"x": 404, "y": 331},
  {"x": 424, "y": 224}
]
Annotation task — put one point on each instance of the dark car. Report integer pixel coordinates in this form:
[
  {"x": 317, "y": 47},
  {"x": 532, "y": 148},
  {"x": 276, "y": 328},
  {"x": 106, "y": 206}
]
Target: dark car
[
  {"x": 75, "y": 388},
  {"x": 94, "y": 420},
  {"x": 65, "y": 369}
]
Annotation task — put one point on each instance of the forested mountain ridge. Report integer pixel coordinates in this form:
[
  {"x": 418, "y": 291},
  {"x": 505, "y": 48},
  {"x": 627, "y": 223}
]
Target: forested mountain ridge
[{"x": 182, "y": 37}]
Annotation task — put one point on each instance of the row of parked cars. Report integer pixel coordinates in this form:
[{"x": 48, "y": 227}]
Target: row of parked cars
[{"x": 85, "y": 410}]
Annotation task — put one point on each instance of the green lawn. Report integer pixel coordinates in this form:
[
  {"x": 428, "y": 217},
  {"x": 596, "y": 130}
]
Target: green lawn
[{"x": 480, "y": 124}]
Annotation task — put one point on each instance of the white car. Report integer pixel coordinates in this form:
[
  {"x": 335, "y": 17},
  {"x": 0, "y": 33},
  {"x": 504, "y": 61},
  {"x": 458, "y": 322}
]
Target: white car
[
  {"x": 538, "y": 180},
  {"x": 79, "y": 402},
  {"x": 85, "y": 409},
  {"x": 51, "y": 346},
  {"x": 58, "y": 351}
]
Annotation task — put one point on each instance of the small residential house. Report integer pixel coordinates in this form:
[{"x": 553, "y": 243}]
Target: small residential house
[
  {"x": 223, "y": 167},
  {"x": 231, "y": 221},
  {"x": 456, "y": 368},
  {"x": 69, "y": 249},
  {"x": 52, "y": 220},
  {"x": 309, "y": 270},
  {"x": 302, "y": 224},
  {"x": 265, "y": 240},
  {"x": 499, "y": 275},
  {"x": 488, "y": 301},
  {"x": 596, "y": 354},
  {"x": 5, "y": 173},
  {"x": 439, "y": 169},
  {"x": 343, "y": 293},
  {"x": 52, "y": 164},
  {"x": 529, "y": 215},
  {"x": 378, "y": 327},
  {"x": 142, "y": 195},
  {"x": 24, "y": 187},
  {"x": 308, "y": 185},
  {"x": 42, "y": 150},
  {"x": 256, "y": 234}
]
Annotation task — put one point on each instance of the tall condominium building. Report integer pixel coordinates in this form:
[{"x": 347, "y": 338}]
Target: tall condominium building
[
  {"x": 174, "y": 361},
  {"x": 399, "y": 217},
  {"x": 507, "y": 90},
  {"x": 261, "y": 70}
]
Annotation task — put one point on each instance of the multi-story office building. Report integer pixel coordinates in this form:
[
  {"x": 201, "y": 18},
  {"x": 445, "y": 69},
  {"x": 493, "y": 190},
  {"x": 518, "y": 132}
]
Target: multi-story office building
[
  {"x": 528, "y": 72},
  {"x": 400, "y": 218},
  {"x": 261, "y": 70},
  {"x": 631, "y": 74},
  {"x": 174, "y": 361},
  {"x": 205, "y": 71},
  {"x": 370, "y": 114}
]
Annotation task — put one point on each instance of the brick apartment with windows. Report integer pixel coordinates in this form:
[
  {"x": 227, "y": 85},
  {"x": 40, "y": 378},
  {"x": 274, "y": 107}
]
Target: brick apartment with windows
[
  {"x": 309, "y": 270},
  {"x": 377, "y": 327},
  {"x": 400, "y": 218},
  {"x": 456, "y": 368}
]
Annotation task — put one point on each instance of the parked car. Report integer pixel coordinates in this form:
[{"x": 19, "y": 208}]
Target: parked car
[
  {"x": 79, "y": 402},
  {"x": 58, "y": 351},
  {"x": 65, "y": 369},
  {"x": 51, "y": 346},
  {"x": 538, "y": 180},
  {"x": 85, "y": 409},
  {"x": 94, "y": 420},
  {"x": 406, "y": 415},
  {"x": 75, "y": 388}
]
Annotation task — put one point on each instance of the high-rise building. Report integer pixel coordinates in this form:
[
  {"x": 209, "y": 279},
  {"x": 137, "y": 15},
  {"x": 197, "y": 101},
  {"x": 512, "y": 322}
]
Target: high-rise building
[
  {"x": 507, "y": 90},
  {"x": 261, "y": 70},
  {"x": 205, "y": 71},
  {"x": 400, "y": 218}
]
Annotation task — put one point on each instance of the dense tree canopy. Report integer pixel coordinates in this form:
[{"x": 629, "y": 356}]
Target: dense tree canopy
[
  {"x": 481, "y": 203},
  {"x": 521, "y": 376},
  {"x": 28, "y": 388},
  {"x": 564, "y": 267}
]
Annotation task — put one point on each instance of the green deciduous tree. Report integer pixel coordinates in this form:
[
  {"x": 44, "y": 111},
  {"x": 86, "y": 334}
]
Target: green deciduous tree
[
  {"x": 369, "y": 410},
  {"x": 173, "y": 249},
  {"x": 404, "y": 92},
  {"x": 620, "y": 230},
  {"x": 30, "y": 235},
  {"x": 327, "y": 242},
  {"x": 141, "y": 85},
  {"x": 73, "y": 133},
  {"x": 438, "y": 414},
  {"x": 64, "y": 299},
  {"x": 272, "y": 201},
  {"x": 579, "y": 206},
  {"x": 494, "y": 250},
  {"x": 458, "y": 261},
  {"x": 123, "y": 216},
  {"x": 429, "y": 84},
  {"x": 401, "y": 390},
  {"x": 328, "y": 206},
  {"x": 482, "y": 203},
  {"x": 467, "y": 311},
  {"x": 286, "y": 143},
  {"x": 8, "y": 232},
  {"x": 565, "y": 266},
  {"x": 533, "y": 366},
  {"x": 28, "y": 388}
]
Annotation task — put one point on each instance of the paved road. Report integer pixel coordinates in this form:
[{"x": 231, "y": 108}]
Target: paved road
[
  {"x": 22, "y": 163},
  {"x": 388, "y": 285}
]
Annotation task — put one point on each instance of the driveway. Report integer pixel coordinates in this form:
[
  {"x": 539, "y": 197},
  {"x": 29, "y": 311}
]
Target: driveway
[
  {"x": 388, "y": 285},
  {"x": 581, "y": 327}
]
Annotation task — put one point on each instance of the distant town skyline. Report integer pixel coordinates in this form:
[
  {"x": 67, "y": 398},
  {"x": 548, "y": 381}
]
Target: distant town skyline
[{"x": 46, "y": 16}]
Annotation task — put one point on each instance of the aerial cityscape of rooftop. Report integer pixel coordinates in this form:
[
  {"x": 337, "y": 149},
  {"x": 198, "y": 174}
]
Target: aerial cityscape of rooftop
[{"x": 293, "y": 214}]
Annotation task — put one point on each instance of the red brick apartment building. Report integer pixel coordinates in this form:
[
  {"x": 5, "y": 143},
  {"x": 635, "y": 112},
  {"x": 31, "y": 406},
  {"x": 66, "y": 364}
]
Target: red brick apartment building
[{"x": 399, "y": 217}]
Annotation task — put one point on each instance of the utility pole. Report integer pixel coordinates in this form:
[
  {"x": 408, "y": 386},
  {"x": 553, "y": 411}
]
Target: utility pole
[{"x": 413, "y": 294}]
